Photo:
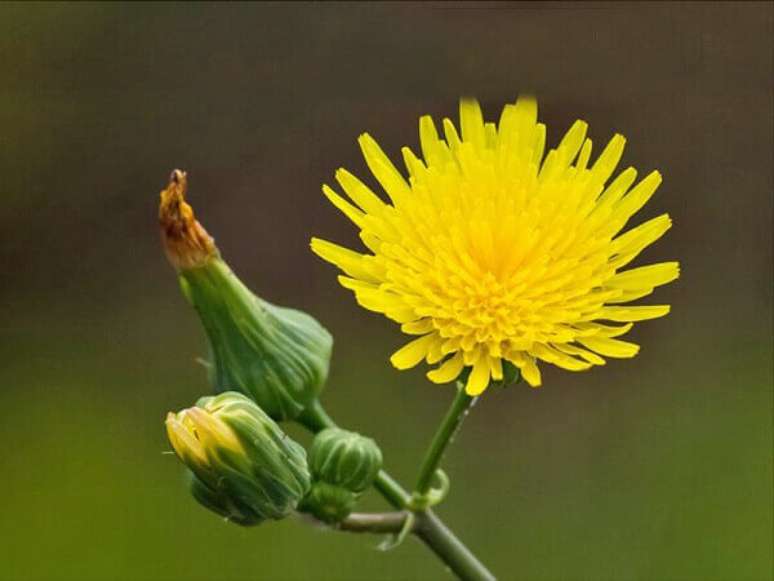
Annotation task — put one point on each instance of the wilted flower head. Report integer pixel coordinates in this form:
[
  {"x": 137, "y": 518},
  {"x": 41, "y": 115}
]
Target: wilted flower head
[
  {"x": 277, "y": 356},
  {"x": 244, "y": 466},
  {"x": 493, "y": 252}
]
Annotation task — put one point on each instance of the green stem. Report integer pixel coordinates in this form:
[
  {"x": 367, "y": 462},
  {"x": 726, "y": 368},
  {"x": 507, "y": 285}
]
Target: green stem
[
  {"x": 391, "y": 490},
  {"x": 374, "y": 522},
  {"x": 443, "y": 437},
  {"x": 449, "y": 548},
  {"x": 429, "y": 528},
  {"x": 315, "y": 419}
]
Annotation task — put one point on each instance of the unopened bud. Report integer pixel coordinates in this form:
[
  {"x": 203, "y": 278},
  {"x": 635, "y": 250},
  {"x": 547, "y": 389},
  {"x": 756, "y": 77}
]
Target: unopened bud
[
  {"x": 345, "y": 459},
  {"x": 244, "y": 466},
  {"x": 343, "y": 465}
]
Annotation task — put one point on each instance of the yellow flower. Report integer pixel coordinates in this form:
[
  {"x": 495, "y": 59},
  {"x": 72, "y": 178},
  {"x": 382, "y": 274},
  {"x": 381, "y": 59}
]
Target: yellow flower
[{"x": 492, "y": 251}]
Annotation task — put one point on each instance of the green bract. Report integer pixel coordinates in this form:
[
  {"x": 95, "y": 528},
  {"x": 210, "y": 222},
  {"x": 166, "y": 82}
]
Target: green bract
[
  {"x": 277, "y": 356},
  {"x": 244, "y": 467}
]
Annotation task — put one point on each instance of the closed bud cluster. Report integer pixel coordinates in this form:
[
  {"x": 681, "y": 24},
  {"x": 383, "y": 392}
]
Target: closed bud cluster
[
  {"x": 278, "y": 357},
  {"x": 243, "y": 466},
  {"x": 343, "y": 465}
]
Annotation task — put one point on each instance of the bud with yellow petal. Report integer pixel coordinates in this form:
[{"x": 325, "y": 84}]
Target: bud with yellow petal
[
  {"x": 244, "y": 467},
  {"x": 277, "y": 356}
]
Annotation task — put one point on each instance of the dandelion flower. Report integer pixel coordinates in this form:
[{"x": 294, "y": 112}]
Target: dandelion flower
[{"x": 493, "y": 252}]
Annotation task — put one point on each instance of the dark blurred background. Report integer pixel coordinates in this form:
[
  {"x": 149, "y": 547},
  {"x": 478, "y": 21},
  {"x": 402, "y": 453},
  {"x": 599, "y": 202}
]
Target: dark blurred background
[{"x": 658, "y": 468}]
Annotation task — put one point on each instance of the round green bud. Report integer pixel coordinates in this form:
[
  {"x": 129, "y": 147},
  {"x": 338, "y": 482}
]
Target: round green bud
[
  {"x": 244, "y": 467},
  {"x": 328, "y": 502},
  {"x": 344, "y": 459}
]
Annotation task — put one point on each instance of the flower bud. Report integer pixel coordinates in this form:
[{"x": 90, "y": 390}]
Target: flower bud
[
  {"x": 328, "y": 502},
  {"x": 345, "y": 459},
  {"x": 244, "y": 467},
  {"x": 343, "y": 465},
  {"x": 277, "y": 356}
]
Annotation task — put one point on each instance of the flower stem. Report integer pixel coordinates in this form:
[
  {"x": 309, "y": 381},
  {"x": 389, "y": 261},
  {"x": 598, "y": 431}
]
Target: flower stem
[{"x": 443, "y": 437}]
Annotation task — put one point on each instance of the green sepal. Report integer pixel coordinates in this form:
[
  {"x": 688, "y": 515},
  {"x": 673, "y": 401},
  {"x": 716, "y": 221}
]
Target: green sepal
[{"x": 221, "y": 503}]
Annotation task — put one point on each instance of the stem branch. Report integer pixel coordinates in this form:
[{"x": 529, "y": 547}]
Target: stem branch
[{"x": 374, "y": 522}]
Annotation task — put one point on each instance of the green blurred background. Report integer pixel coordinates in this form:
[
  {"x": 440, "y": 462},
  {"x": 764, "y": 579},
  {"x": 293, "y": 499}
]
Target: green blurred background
[{"x": 658, "y": 468}]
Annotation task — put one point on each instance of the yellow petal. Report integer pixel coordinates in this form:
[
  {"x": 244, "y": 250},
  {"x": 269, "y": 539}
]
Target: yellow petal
[
  {"x": 354, "y": 264},
  {"x": 639, "y": 313},
  {"x": 632, "y": 242},
  {"x": 572, "y": 141},
  {"x": 559, "y": 359},
  {"x": 592, "y": 358},
  {"x": 346, "y": 208},
  {"x": 496, "y": 366},
  {"x": 530, "y": 371},
  {"x": 414, "y": 352},
  {"x": 383, "y": 169},
  {"x": 360, "y": 193},
  {"x": 646, "y": 276},
  {"x": 419, "y": 327},
  {"x": 610, "y": 347},
  {"x": 472, "y": 122},
  {"x": 478, "y": 380},
  {"x": 607, "y": 161},
  {"x": 604, "y": 330},
  {"x": 448, "y": 371},
  {"x": 638, "y": 197}
]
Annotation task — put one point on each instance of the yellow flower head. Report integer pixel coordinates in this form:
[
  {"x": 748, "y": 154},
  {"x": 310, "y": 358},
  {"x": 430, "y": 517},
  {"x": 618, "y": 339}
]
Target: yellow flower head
[
  {"x": 195, "y": 432},
  {"x": 491, "y": 251}
]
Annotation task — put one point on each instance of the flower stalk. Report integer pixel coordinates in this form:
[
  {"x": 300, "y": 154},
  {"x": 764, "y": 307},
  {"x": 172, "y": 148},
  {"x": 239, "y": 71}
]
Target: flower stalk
[{"x": 443, "y": 437}]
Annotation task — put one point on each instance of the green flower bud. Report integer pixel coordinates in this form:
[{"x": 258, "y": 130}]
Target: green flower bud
[
  {"x": 345, "y": 459},
  {"x": 277, "y": 356},
  {"x": 244, "y": 467},
  {"x": 343, "y": 465},
  {"x": 328, "y": 502}
]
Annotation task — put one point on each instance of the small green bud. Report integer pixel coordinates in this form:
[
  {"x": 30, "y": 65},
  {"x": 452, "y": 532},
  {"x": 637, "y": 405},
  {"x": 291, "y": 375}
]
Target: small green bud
[
  {"x": 345, "y": 459},
  {"x": 277, "y": 356},
  {"x": 343, "y": 465},
  {"x": 328, "y": 502},
  {"x": 244, "y": 467}
]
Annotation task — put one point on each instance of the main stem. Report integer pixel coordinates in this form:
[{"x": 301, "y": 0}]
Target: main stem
[{"x": 429, "y": 528}]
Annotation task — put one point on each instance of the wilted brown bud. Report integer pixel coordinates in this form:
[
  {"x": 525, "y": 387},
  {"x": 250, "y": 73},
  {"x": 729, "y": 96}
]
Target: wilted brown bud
[{"x": 186, "y": 242}]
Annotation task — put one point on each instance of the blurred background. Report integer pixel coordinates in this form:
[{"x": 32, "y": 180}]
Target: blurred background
[{"x": 658, "y": 468}]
